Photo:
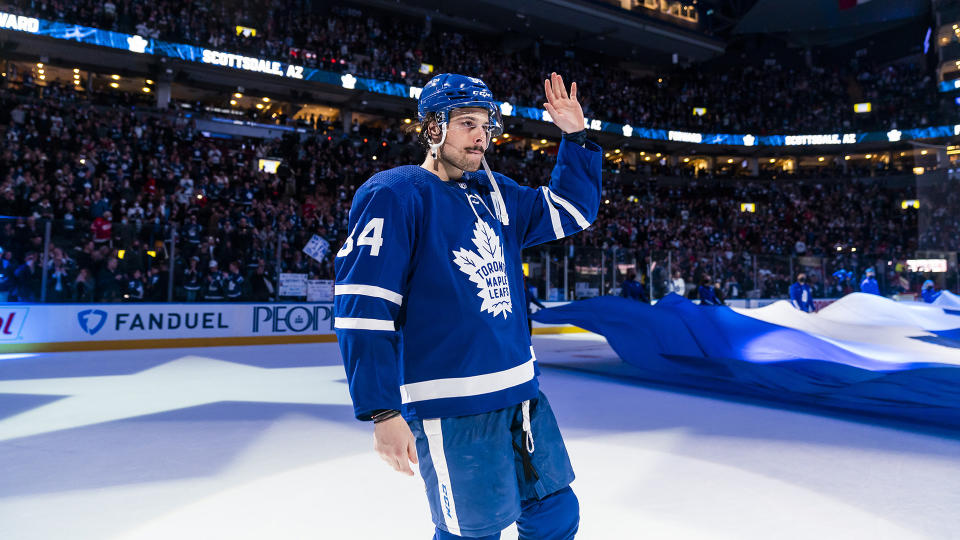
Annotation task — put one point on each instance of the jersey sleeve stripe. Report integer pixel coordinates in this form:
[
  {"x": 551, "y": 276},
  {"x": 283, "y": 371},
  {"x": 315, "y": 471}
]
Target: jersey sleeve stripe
[
  {"x": 369, "y": 290},
  {"x": 351, "y": 323},
  {"x": 467, "y": 386},
  {"x": 572, "y": 210},
  {"x": 554, "y": 215}
]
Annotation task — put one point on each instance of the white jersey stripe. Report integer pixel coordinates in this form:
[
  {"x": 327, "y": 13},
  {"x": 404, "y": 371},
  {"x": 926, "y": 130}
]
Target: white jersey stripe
[
  {"x": 348, "y": 323},
  {"x": 434, "y": 432},
  {"x": 572, "y": 210},
  {"x": 554, "y": 215},
  {"x": 467, "y": 386},
  {"x": 369, "y": 290}
]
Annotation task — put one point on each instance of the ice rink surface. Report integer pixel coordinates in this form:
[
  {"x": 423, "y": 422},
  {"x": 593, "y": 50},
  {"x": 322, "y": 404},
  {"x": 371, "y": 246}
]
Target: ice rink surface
[{"x": 260, "y": 443}]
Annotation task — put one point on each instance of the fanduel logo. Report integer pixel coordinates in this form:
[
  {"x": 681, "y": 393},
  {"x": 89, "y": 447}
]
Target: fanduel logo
[{"x": 92, "y": 320}]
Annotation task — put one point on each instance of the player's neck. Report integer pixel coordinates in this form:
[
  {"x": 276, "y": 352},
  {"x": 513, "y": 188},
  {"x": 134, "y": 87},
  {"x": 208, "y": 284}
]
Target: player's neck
[{"x": 442, "y": 169}]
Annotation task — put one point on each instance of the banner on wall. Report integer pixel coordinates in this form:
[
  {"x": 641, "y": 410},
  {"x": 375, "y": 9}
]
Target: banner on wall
[{"x": 89, "y": 323}]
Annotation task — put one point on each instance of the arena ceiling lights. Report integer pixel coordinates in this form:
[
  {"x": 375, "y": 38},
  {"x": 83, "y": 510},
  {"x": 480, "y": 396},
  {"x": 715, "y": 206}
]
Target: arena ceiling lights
[{"x": 141, "y": 45}]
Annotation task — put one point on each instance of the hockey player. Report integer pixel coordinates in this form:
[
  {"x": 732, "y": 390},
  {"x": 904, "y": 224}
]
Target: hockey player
[{"x": 430, "y": 321}]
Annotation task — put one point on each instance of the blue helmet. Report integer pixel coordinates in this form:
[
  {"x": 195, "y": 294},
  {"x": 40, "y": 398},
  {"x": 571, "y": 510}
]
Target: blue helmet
[
  {"x": 449, "y": 91},
  {"x": 928, "y": 284}
]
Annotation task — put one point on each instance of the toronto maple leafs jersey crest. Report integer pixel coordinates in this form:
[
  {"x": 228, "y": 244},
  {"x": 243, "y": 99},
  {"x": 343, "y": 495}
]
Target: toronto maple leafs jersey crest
[
  {"x": 426, "y": 282},
  {"x": 485, "y": 267}
]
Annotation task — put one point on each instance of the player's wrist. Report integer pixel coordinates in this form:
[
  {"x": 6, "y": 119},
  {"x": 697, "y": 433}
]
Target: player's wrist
[
  {"x": 382, "y": 415},
  {"x": 578, "y": 137}
]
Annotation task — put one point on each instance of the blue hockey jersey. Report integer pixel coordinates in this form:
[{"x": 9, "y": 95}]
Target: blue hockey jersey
[{"x": 429, "y": 295}]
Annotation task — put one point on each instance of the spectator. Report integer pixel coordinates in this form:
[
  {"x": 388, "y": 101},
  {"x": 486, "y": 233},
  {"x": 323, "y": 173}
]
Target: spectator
[
  {"x": 677, "y": 285},
  {"x": 213, "y": 292},
  {"x": 800, "y": 295},
  {"x": 633, "y": 289},
  {"x": 707, "y": 294},
  {"x": 869, "y": 284}
]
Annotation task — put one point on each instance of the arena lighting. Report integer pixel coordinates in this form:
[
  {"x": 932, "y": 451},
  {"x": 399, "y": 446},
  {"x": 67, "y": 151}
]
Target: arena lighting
[
  {"x": 748, "y": 207},
  {"x": 923, "y": 152},
  {"x": 686, "y": 160},
  {"x": 114, "y": 85},
  {"x": 861, "y": 108},
  {"x": 910, "y": 203},
  {"x": 544, "y": 141},
  {"x": 607, "y": 154},
  {"x": 115, "y": 77},
  {"x": 76, "y": 70},
  {"x": 730, "y": 160},
  {"x": 233, "y": 102},
  {"x": 238, "y": 95},
  {"x": 263, "y": 66},
  {"x": 146, "y": 89},
  {"x": 266, "y": 100},
  {"x": 918, "y": 170},
  {"x": 374, "y": 158},
  {"x": 839, "y": 248},
  {"x": 820, "y": 158},
  {"x": 617, "y": 151},
  {"x": 40, "y": 71},
  {"x": 853, "y": 250},
  {"x": 506, "y": 135},
  {"x": 658, "y": 154},
  {"x": 772, "y": 160},
  {"x": 259, "y": 105},
  {"x": 699, "y": 111},
  {"x": 606, "y": 201},
  {"x": 39, "y": 64},
  {"x": 846, "y": 158},
  {"x": 868, "y": 156},
  {"x": 149, "y": 81},
  {"x": 407, "y": 120},
  {"x": 927, "y": 265}
]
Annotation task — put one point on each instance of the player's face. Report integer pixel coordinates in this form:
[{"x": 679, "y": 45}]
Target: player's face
[{"x": 468, "y": 136}]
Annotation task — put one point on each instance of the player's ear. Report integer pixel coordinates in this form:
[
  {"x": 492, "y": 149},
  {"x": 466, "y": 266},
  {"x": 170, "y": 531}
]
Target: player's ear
[{"x": 433, "y": 130}]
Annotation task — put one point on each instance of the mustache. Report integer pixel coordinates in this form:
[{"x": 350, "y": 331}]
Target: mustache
[{"x": 477, "y": 148}]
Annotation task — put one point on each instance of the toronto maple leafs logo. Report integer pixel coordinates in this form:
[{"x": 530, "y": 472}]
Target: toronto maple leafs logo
[{"x": 486, "y": 268}]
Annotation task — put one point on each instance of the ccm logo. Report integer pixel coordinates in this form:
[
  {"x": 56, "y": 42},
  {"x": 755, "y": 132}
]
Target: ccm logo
[{"x": 446, "y": 500}]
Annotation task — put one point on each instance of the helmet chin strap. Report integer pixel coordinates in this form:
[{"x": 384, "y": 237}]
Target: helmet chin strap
[{"x": 498, "y": 205}]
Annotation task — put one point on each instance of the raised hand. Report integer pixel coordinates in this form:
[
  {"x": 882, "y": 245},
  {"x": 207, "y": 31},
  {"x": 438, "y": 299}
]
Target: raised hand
[{"x": 564, "y": 108}]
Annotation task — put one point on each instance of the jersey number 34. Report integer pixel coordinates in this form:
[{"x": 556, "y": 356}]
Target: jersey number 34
[{"x": 372, "y": 235}]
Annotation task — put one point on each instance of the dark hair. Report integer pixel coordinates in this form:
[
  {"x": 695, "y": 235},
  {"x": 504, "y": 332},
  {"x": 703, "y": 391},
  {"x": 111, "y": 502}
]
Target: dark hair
[{"x": 422, "y": 137}]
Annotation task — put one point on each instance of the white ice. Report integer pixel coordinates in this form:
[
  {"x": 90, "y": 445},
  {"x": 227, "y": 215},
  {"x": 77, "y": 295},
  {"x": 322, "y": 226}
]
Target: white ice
[{"x": 205, "y": 444}]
